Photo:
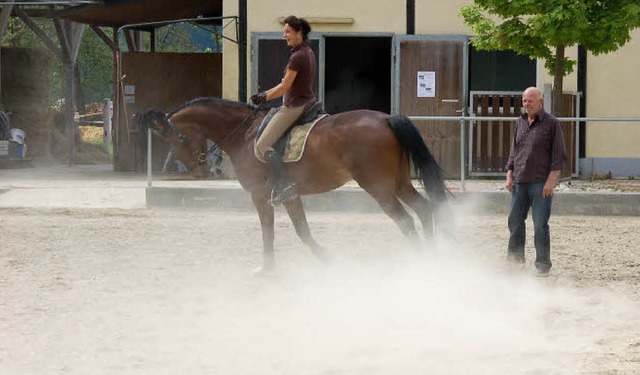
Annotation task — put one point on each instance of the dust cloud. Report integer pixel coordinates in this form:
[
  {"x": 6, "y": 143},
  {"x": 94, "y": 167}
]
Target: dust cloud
[
  {"x": 170, "y": 291},
  {"x": 428, "y": 314}
]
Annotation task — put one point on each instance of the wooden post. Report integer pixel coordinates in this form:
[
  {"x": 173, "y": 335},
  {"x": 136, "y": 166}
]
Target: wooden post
[
  {"x": 70, "y": 39},
  {"x": 106, "y": 123}
]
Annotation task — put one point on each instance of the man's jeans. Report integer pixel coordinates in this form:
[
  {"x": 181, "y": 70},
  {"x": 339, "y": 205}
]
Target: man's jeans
[{"x": 527, "y": 195}]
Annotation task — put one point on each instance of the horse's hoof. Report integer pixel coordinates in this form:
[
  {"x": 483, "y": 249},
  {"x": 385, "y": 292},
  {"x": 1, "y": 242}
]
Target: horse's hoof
[
  {"x": 322, "y": 255},
  {"x": 263, "y": 271}
]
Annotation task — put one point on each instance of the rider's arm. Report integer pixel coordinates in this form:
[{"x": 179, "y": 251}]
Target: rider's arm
[{"x": 283, "y": 86}]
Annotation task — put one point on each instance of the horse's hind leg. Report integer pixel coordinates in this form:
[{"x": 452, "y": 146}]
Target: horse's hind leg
[
  {"x": 390, "y": 204},
  {"x": 298, "y": 218},
  {"x": 409, "y": 195}
]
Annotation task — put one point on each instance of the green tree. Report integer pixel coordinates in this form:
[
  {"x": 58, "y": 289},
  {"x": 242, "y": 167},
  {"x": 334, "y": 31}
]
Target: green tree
[
  {"x": 545, "y": 28},
  {"x": 19, "y": 35},
  {"x": 95, "y": 62}
]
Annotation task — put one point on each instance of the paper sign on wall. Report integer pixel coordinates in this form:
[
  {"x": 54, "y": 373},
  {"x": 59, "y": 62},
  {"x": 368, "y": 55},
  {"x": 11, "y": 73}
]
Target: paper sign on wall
[
  {"x": 129, "y": 94},
  {"x": 426, "y": 84}
]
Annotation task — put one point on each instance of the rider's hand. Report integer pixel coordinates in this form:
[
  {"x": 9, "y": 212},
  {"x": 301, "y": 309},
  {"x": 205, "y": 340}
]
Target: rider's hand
[{"x": 259, "y": 98}]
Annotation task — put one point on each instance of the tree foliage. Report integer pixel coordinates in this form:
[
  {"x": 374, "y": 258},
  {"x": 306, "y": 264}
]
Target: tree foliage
[
  {"x": 95, "y": 62},
  {"x": 545, "y": 28}
]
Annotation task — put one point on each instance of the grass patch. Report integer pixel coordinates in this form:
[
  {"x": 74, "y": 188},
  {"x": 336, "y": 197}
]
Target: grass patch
[{"x": 91, "y": 134}]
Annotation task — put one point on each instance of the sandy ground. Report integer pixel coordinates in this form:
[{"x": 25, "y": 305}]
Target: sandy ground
[{"x": 140, "y": 291}]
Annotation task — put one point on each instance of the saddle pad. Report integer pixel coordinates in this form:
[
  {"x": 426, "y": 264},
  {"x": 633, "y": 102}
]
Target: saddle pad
[{"x": 296, "y": 138}]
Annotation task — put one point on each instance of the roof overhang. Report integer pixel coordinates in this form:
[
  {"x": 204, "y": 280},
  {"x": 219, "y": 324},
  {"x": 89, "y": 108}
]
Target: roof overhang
[{"x": 119, "y": 13}]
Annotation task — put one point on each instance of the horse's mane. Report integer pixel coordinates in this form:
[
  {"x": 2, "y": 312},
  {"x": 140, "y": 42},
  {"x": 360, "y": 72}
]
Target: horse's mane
[{"x": 208, "y": 100}]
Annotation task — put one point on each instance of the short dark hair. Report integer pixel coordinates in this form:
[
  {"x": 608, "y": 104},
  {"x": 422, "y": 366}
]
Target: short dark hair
[{"x": 299, "y": 24}]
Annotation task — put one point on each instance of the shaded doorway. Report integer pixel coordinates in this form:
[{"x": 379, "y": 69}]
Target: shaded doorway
[
  {"x": 357, "y": 73},
  {"x": 500, "y": 71},
  {"x": 273, "y": 55}
]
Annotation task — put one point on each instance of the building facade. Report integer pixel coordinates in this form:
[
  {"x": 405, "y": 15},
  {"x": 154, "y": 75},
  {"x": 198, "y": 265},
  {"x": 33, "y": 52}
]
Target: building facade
[{"x": 366, "y": 59}]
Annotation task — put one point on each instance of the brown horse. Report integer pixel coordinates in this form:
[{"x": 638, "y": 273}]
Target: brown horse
[{"x": 372, "y": 148}]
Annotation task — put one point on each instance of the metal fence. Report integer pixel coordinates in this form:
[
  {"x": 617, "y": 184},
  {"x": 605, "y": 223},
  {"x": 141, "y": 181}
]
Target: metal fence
[{"x": 466, "y": 142}]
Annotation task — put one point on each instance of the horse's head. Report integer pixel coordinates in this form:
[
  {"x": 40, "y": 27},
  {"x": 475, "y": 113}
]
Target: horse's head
[
  {"x": 153, "y": 119},
  {"x": 189, "y": 145}
]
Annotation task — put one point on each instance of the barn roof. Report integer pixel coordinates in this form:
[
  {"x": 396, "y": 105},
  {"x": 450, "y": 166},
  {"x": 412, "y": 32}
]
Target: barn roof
[{"x": 115, "y": 13}]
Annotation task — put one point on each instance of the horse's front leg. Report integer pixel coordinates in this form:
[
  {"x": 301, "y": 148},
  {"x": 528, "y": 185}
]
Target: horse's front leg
[
  {"x": 265, "y": 213},
  {"x": 299, "y": 219}
]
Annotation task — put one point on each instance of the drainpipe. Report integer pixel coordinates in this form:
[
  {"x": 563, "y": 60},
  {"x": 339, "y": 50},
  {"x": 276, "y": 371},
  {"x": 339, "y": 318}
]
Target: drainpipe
[
  {"x": 411, "y": 17},
  {"x": 582, "y": 87},
  {"x": 242, "y": 50}
]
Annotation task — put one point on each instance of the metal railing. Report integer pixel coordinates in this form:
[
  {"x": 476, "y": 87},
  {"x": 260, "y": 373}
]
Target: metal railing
[
  {"x": 463, "y": 146},
  {"x": 463, "y": 139}
]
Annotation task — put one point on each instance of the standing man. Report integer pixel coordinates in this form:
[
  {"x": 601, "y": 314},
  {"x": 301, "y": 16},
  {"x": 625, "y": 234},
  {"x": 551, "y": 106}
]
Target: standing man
[{"x": 536, "y": 158}]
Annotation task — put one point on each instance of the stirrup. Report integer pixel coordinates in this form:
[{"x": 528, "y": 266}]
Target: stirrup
[{"x": 288, "y": 193}]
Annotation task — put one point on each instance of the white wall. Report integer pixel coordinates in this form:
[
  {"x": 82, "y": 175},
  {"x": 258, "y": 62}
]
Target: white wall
[{"x": 612, "y": 91}]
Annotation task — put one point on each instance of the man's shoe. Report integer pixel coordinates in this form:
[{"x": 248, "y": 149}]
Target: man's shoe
[
  {"x": 543, "y": 272},
  {"x": 514, "y": 258}
]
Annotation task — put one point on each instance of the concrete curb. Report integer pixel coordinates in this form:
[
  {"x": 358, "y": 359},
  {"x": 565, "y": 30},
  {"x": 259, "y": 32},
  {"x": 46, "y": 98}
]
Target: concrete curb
[{"x": 357, "y": 200}]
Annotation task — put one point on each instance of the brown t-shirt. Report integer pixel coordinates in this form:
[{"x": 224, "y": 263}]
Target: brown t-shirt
[
  {"x": 302, "y": 61},
  {"x": 536, "y": 149}
]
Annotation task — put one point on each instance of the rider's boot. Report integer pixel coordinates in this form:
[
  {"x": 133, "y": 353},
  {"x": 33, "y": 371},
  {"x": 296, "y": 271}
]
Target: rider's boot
[{"x": 283, "y": 188}]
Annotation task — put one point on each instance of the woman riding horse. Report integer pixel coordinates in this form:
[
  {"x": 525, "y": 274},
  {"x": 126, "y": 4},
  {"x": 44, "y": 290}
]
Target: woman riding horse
[
  {"x": 297, "y": 89},
  {"x": 372, "y": 148}
]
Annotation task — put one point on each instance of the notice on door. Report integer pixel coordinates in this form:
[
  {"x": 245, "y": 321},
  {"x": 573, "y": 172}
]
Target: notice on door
[{"x": 426, "y": 84}]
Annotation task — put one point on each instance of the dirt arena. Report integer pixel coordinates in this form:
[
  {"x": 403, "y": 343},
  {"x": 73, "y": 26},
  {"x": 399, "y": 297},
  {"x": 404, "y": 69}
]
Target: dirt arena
[{"x": 140, "y": 291}]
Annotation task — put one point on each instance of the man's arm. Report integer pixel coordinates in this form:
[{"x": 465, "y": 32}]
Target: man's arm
[
  {"x": 558, "y": 157},
  {"x": 509, "y": 181}
]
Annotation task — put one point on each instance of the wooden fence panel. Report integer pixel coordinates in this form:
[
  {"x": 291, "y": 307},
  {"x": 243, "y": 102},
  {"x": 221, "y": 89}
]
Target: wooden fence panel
[{"x": 491, "y": 140}]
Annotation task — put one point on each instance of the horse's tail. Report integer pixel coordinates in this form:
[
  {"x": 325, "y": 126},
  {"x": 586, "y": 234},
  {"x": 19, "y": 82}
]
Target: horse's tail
[{"x": 426, "y": 167}]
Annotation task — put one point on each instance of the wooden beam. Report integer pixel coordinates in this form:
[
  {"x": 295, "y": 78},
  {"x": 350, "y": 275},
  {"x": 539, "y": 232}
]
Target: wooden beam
[
  {"x": 325, "y": 20},
  {"x": 76, "y": 39},
  {"x": 105, "y": 38},
  {"x": 40, "y": 12},
  {"x": 69, "y": 100},
  {"x": 133, "y": 40},
  {"x": 38, "y": 31},
  {"x": 65, "y": 50}
]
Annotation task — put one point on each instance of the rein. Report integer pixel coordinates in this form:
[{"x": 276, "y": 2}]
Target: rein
[{"x": 200, "y": 158}]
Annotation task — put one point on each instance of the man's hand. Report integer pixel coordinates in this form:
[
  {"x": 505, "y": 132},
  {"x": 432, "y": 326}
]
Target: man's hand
[
  {"x": 509, "y": 182},
  {"x": 550, "y": 184},
  {"x": 547, "y": 191},
  {"x": 259, "y": 98}
]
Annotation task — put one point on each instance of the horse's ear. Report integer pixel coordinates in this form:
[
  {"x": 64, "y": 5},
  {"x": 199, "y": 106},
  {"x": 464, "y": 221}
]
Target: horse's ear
[{"x": 152, "y": 119}]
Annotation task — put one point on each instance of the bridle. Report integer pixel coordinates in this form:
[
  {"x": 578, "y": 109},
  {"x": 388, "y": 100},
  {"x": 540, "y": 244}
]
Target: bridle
[{"x": 200, "y": 158}]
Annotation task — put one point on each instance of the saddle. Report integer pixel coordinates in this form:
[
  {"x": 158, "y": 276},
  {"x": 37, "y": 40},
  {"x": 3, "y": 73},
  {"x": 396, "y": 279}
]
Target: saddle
[{"x": 292, "y": 142}]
